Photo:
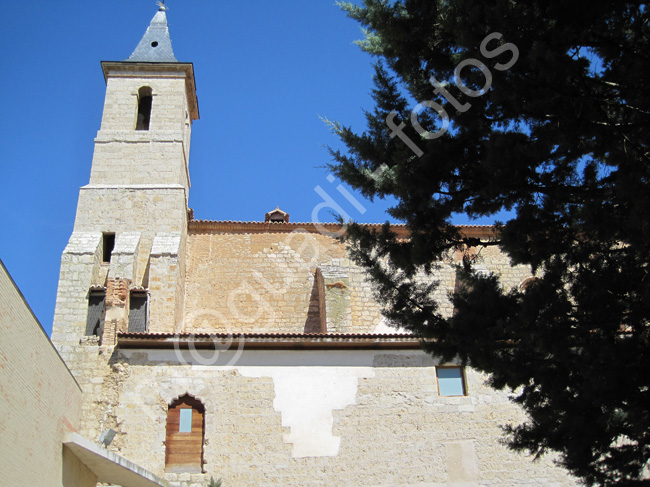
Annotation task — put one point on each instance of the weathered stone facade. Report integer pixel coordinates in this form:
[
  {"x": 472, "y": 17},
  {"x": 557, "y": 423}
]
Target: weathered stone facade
[{"x": 269, "y": 325}]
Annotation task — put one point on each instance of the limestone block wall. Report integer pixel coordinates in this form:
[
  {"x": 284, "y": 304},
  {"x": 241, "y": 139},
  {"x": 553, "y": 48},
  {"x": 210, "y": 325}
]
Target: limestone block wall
[
  {"x": 138, "y": 216},
  {"x": 138, "y": 190},
  {"x": 321, "y": 418},
  {"x": 99, "y": 379},
  {"x": 169, "y": 104},
  {"x": 147, "y": 210},
  {"x": 80, "y": 269},
  {"x": 445, "y": 275},
  {"x": 40, "y": 401},
  {"x": 139, "y": 157},
  {"x": 152, "y": 213},
  {"x": 124, "y": 258},
  {"x": 262, "y": 279},
  {"x": 166, "y": 283},
  {"x": 264, "y": 282},
  {"x": 498, "y": 263},
  {"x": 159, "y": 155},
  {"x": 337, "y": 297},
  {"x": 162, "y": 271}
]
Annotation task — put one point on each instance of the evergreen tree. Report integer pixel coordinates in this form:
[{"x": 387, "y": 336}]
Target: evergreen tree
[{"x": 538, "y": 109}]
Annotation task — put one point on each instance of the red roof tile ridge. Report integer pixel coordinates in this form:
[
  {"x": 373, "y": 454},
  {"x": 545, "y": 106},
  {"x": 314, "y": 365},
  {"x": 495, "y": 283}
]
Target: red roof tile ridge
[
  {"x": 265, "y": 335},
  {"x": 261, "y": 223}
]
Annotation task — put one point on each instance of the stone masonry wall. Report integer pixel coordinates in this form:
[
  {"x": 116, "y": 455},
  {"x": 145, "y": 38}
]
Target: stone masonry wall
[
  {"x": 353, "y": 418},
  {"x": 145, "y": 210},
  {"x": 166, "y": 283},
  {"x": 138, "y": 190},
  {"x": 264, "y": 282},
  {"x": 81, "y": 268},
  {"x": 161, "y": 154}
]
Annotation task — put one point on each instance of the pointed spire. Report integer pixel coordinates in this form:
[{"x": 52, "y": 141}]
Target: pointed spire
[{"x": 155, "y": 46}]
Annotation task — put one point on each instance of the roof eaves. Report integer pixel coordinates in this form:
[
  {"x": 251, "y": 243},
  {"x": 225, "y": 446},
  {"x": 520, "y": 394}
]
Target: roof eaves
[{"x": 296, "y": 341}]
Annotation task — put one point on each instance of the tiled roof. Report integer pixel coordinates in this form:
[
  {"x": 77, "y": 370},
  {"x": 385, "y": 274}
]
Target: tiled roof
[
  {"x": 335, "y": 229},
  {"x": 291, "y": 224},
  {"x": 295, "y": 341},
  {"x": 268, "y": 335},
  {"x": 297, "y": 224}
]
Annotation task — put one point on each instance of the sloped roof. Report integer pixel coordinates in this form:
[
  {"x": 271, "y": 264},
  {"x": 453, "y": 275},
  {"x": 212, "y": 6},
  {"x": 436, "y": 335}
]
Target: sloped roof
[
  {"x": 156, "y": 45},
  {"x": 296, "y": 341}
]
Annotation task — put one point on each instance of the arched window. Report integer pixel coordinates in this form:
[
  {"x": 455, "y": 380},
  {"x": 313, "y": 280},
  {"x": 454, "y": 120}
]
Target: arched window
[
  {"x": 185, "y": 435},
  {"x": 144, "y": 108},
  {"x": 527, "y": 283}
]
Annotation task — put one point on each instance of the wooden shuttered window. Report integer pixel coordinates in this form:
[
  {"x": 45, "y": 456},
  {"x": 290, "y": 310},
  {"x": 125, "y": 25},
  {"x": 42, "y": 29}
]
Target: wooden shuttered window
[
  {"x": 96, "y": 312},
  {"x": 138, "y": 312},
  {"x": 185, "y": 436}
]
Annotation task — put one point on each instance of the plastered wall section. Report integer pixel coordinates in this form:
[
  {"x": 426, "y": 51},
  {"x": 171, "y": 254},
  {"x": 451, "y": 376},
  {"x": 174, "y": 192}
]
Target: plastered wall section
[
  {"x": 264, "y": 282},
  {"x": 39, "y": 400},
  {"x": 368, "y": 418}
]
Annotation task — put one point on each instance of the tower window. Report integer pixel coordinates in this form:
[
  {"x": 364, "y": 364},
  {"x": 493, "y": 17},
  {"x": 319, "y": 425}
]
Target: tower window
[
  {"x": 96, "y": 310},
  {"x": 108, "y": 244},
  {"x": 138, "y": 312},
  {"x": 144, "y": 108}
]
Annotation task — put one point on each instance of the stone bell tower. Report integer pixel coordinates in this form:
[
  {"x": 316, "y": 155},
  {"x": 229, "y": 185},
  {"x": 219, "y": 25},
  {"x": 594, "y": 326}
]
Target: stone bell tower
[{"x": 123, "y": 268}]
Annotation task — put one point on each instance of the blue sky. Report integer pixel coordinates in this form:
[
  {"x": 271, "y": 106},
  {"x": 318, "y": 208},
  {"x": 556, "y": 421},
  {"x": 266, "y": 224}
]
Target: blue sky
[{"x": 265, "y": 72}]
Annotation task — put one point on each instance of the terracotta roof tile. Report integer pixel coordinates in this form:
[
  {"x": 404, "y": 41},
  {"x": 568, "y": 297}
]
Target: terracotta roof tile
[{"x": 351, "y": 336}]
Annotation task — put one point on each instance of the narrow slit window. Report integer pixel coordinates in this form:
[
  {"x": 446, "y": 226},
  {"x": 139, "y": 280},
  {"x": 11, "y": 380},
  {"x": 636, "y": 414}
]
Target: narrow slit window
[
  {"x": 185, "y": 423},
  {"x": 96, "y": 310},
  {"x": 451, "y": 381},
  {"x": 108, "y": 244},
  {"x": 144, "y": 108},
  {"x": 138, "y": 318}
]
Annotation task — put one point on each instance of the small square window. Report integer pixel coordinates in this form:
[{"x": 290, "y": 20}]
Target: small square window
[
  {"x": 185, "y": 423},
  {"x": 451, "y": 381}
]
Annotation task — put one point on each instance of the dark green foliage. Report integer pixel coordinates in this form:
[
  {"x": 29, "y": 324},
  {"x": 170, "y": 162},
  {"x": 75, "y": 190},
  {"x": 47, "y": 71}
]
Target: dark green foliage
[
  {"x": 560, "y": 139},
  {"x": 214, "y": 483}
]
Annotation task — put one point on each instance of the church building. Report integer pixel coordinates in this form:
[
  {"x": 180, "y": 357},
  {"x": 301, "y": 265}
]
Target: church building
[{"x": 252, "y": 351}]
